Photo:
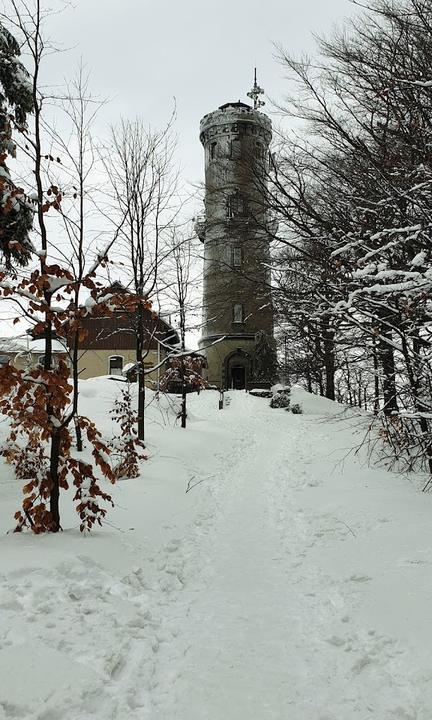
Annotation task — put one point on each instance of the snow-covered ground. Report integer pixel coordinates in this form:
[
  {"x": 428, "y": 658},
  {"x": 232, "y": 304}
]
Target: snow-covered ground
[{"x": 291, "y": 582}]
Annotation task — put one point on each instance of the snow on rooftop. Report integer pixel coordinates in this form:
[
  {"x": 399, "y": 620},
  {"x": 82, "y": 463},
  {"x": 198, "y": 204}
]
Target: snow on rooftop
[{"x": 24, "y": 343}]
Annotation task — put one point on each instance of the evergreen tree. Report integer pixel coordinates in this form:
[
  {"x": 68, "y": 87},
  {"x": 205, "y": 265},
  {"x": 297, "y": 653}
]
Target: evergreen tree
[
  {"x": 16, "y": 100},
  {"x": 265, "y": 362}
]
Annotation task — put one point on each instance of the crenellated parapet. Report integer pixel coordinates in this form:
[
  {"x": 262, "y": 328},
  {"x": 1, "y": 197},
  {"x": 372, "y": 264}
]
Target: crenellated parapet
[{"x": 235, "y": 119}]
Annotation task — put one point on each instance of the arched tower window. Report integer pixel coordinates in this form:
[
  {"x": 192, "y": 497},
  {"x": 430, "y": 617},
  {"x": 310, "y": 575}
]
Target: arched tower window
[{"x": 212, "y": 150}]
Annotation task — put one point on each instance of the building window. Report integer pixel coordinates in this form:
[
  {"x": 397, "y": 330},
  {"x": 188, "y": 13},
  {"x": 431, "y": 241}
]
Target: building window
[
  {"x": 237, "y": 257},
  {"x": 41, "y": 361},
  {"x": 238, "y": 313},
  {"x": 115, "y": 365},
  {"x": 235, "y": 205},
  {"x": 213, "y": 148},
  {"x": 233, "y": 256}
]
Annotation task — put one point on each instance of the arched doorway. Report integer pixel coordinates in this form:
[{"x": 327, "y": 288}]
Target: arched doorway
[{"x": 237, "y": 370}]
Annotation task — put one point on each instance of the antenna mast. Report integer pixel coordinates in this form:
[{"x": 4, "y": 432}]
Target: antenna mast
[{"x": 255, "y": 93}]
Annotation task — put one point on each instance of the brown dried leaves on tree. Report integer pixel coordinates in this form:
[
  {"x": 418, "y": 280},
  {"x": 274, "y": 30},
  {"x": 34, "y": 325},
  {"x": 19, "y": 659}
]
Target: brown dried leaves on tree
[{"x": 38, "y": 403}]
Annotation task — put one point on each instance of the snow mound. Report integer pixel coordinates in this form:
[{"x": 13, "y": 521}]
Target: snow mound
[
  {"x": 315, "y": 404},
  {"x": 54, "y": 678}
]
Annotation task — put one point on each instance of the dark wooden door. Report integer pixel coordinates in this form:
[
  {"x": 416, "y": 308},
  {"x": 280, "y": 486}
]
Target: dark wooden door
[{"x": 238, "y": 378}]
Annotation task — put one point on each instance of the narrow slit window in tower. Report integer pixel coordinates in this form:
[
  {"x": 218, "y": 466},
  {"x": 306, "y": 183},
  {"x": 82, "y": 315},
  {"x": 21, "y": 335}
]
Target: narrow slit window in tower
[
  {"x": 259, "y": 150},
  {"x": 237, "y": 257},
  {"x": 213, "y": 147},
  {"x": 238, "y": 313},
  {"x": 230, "y": 207},
  {"x": 235, "y": 149}
]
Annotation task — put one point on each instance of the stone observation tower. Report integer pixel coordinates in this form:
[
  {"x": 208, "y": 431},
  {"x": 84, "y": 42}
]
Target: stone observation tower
[{"x": 237, "y": 335}]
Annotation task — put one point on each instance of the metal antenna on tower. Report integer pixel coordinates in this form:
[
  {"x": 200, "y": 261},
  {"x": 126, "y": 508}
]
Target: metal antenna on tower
[{"x": 255, "y": 93}]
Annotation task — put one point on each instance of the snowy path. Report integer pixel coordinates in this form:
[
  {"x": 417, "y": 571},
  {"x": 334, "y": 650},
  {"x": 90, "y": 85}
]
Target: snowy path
[
  {"x": 288, "y": 585},
  {"x": 230, "y": 637},
  {"x": 264, "y": 633}
]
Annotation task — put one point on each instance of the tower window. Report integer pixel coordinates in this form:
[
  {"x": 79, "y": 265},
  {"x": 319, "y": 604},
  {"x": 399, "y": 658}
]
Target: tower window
[
  {"x": 233, "y": 256},
  {"x": 230, "y": 208},
  {"x": 238, "y": 313},
  {"x": 235, "y": 205},
  {"x": 259, "y": 150},
  {"x": 213, "y": 147},
  {"x": 223, "y": 176},
  {"x": 237, "y": 257},
  {"x": 235, "y": 150}
]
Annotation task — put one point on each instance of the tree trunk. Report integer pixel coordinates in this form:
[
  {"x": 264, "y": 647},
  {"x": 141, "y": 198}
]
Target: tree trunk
[
  {"x": 78, "y": 435},
  {"x": 140, "y": 373},
  {"x": 183, "y": 407},
  {"x": 413, "y": 372},
  {"x": 376, "y": 405},
  {"x": 386, "y": 358},
  {"x": 141, "y": 402},
  {"x": 55, "y": 488},
  {"x": 183, "y": 413},
  {"x": 308, "y": 378},
  {"x": 329, "y": 360}
]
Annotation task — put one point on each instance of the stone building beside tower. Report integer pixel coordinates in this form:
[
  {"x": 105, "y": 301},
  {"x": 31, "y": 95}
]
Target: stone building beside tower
[{"x": 237, "y": 333}]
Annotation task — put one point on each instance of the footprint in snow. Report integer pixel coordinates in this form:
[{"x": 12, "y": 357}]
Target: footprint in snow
[
  {"x": 8, "y": 601},
  {"x": 360, "y": 578},
  {"x": 173, "y": 545},
  {"x": 336, "y": 641}
]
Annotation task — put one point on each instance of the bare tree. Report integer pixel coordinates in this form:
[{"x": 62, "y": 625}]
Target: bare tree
[
  {"x": 180, "y": 291},
  {"x": 144, "y": 188},
  {"x": 78, "y": 210},
  {"x": 38, "y": 401},
  {"x": 366, "y": 199}
]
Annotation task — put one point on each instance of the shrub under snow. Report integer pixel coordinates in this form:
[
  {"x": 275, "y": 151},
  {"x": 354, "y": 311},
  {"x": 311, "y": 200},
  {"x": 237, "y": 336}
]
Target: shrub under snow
[
  {"x": 280, "y": 400},
  {"x": 296, "y": 409}
]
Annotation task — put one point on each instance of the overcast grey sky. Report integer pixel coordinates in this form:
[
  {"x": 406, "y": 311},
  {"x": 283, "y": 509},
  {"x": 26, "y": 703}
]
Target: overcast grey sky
[{"x": 143, "y": 53}]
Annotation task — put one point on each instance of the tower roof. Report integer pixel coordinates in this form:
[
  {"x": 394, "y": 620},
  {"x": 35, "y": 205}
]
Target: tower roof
[{"x": 235, "y": 104}]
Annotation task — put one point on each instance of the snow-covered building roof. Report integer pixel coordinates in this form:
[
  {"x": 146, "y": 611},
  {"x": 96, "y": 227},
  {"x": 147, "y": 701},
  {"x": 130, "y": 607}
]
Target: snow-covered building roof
[{"x": 24, "y": 343}]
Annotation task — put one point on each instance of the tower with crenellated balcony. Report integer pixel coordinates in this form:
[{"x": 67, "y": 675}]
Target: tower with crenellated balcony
[{"x": 237, "y": 305}]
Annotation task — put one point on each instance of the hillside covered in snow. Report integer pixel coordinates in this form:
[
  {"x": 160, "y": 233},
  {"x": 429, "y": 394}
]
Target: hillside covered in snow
[{"x": 256, "y": 569}]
